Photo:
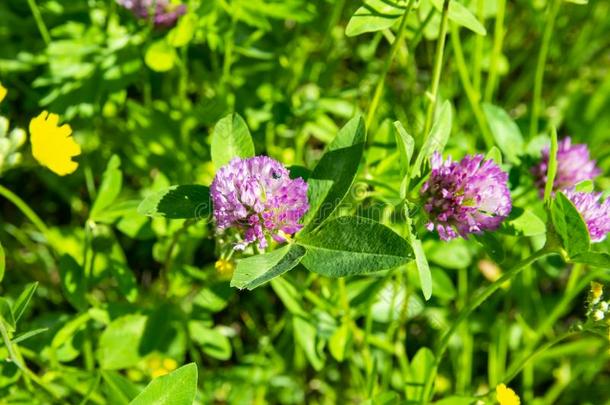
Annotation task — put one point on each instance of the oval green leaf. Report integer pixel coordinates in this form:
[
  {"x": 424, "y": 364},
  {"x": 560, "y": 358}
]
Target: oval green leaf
[
  {"x": 178, "y": 202},
  {"x": 347, "y": 246},
  {"x": 231, "y": 138}
]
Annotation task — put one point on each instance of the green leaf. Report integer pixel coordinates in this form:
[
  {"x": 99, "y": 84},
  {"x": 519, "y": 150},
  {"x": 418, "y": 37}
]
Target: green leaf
[
  {"x": 119, "y": 344},
  {"x": 456, "y": 400},
  {"x": 6, "y": 314},
  {"x": 405, "y": 144},
  {"x": 2, "y": 262},
  {"x": 595, "y": 259},
  {"x": 212, "y": 342},
  {"x": 338, "y": 342},
  {"x": 178, "y": 202},
  {"x": 73, "y": 281},
  {"x": 527, "y": 224},
  {"x": 461, "y": 16},
  {"x": 119, "y": 389},
  {"x": 306, "y": 337},
  {"x": 437, "y": 139},
  {"x": 334, "y": 174},
  {"x": 23, "y": 300},
  {"x": 570, "y": 225},
  {"x": 423, "y": 269},
  {"x": 26, "y": 335},
  {"x": 494, "y": 154},
  {"x": 585, "y": 186},
  {"x": 176, "y": 388},
  {"x": 374, "y": 15},
  {"x": 552, "y": 169},
  {"x": 348, "y": 246},
  {"x": 256, "y": 270},
  {"x": 160, "y": 56},
  {"x": 184, "y": 31},
  {"x": 110, "y": 188},
  {"x": 128, "y": 286},
  {"x": 231, "y": 138},
  {"x": 492, "y": 245},
  {"x": 505, "y": 131},
  {"x": 419, "y": 371},
  {"x": 67, "y": 331}
]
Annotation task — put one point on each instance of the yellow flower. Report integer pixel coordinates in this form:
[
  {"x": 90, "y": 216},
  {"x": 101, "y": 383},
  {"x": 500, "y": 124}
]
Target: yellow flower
[
  {"x": 52, "y": 145},
  {"x": 2, "y": 92},
  {"x": 506, "y": 396},
  {"x": 224, "y": 267}
]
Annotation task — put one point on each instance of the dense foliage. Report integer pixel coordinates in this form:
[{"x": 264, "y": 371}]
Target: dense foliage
[{"x": 428, "y": 225}]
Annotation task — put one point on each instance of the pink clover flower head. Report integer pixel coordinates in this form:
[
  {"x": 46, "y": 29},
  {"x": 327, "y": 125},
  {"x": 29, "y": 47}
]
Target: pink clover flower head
[
  {"x": 574, "y": 164},
  {"x": 257, "y": 197},
  {"x": 465, "y": 197},
  {"x": 594, "y": 211}
]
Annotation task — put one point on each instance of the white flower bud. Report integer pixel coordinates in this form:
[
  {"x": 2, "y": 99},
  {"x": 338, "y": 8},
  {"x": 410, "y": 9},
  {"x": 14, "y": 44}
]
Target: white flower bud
[{"x": 598, "y": 315}]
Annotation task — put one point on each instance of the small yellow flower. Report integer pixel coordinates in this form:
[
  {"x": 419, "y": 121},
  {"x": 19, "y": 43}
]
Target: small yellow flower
[
  {"x": 506, "y": 396},
  {"x": 224, "y": 267},
  {"x": 2, "y": 92},
  {"x": 170, "y": 364},
  {"x": 52, "y": 145}
]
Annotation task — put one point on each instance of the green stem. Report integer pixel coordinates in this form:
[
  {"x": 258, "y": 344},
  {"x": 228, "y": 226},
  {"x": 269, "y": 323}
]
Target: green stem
[
  {"x": 471, "y": 93},
  {"x": 478, "y": 49},
  {"x": 518, "y": 366},
  {"x": 438, "y": 67},
  {"x": 492, "y": 79},
  {"x": 44, "y": 32},
  {"x": 386, "y": 67},
  {"x": 544, "y": 50},
  {"x": 25, "y": 209},
  {"x": 468, "y": 309},
  {"x": 558, "y": 310}
]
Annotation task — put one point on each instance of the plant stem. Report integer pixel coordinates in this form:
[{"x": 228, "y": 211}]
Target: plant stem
[
  {"x": 386, "y": 67},
  {"x": 44, "y": 32},
  {"x": 548, "y": 323},
  {"x": 25, "y": 209},
  {"x": 544, "y": 50},
  {"x": 492, "y": 79},
  {"x": 518, "y": 366},
  {"x": 471, "y": 93},
  {"x": 438, "y": 67},
  {"x": 470, "y": 307}
]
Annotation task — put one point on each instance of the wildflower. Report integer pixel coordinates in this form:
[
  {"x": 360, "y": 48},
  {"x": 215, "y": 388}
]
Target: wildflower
[
  {"x": 595, "y": 212},
  {"x": 2, "y": 92},
  {"x": 573, "y": 166},
  {"x": 165, "y": 12},
  {"x": 52, "y": 145},
  {"x": 256, "y": 197},
  {"x": 159, "y": 366},
  {"x": 470, "y": 196},
  {"x": 506, "y": 396},
  {"x": 597, "y": 290},
  {"x": 224, "y": 267}
]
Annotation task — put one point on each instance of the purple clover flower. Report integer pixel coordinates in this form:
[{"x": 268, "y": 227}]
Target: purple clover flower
[
  {"x": 469, "y": 196},
  {"x": 574, "y": 165},
  {"x": 594, "y": 211},
  {"x": 165, "y": 13},
  {"x": 257, "y": 197}
]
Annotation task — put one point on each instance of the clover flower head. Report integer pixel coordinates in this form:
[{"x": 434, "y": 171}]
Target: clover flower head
[
  {"x": 574, "y": 165},
  {"x": 165, "y": 13},
  {"x": 257, "y": 197},
  {"x": 53, "y": 145},
  {"x": 506, "y": 396},
  {"x": 594, "y": 211},
  {"x": 469, "y": 196}
]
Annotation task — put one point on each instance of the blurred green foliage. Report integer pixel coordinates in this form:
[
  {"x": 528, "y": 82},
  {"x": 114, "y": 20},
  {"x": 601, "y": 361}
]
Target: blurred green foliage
[{"x": 122, "y": 298}]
